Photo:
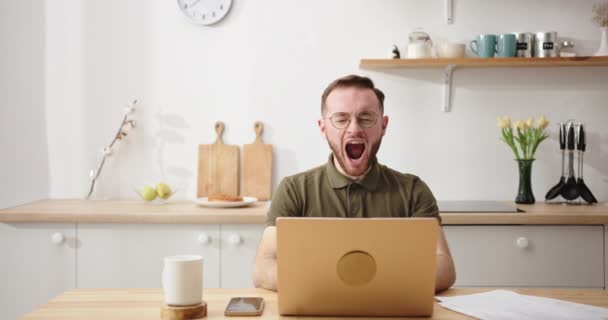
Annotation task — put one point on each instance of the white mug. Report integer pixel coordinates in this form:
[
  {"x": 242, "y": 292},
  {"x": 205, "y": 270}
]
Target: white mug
[
  {"x": 451, "y": 50},
  {"x": 182, "y": 280}
]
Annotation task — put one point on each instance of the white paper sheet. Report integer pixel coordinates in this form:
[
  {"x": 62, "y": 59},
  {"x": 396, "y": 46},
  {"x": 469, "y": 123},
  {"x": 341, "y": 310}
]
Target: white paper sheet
[{"x": 504, "y": 304}]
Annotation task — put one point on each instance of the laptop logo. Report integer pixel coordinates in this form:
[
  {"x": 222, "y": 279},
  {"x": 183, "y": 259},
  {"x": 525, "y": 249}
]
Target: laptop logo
[{"x": 356, "y": 268}]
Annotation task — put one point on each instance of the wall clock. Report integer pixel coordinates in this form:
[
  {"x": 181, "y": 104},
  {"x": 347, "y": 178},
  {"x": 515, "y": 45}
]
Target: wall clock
[{"x": 205, "y": 12}]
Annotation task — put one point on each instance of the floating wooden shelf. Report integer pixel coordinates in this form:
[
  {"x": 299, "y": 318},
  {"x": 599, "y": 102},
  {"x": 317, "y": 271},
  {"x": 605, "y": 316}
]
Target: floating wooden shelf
[
  {"x": 375, "y": 64},
  {"x": 449, "y": 64}
]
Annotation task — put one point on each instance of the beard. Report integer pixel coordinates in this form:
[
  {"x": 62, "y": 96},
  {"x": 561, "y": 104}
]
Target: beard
[{"x": 339, "y": 155}]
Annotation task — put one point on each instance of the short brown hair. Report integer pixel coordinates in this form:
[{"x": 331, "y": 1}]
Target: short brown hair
[{"x": 353, "y": 81}]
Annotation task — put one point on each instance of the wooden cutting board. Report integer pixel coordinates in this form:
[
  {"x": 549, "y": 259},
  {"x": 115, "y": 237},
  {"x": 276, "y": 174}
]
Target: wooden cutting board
[
  {"x": 218, "y": 166},
  {"x": 257, "y": 167}
]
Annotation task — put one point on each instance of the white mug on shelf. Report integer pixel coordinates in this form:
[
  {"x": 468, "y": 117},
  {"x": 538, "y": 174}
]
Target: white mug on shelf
[
  {"x": 451, "y": 50},
  {"x": 182, "y": 280}
]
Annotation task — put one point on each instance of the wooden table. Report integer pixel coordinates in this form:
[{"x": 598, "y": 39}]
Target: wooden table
[{"x": 142, "y": 304}]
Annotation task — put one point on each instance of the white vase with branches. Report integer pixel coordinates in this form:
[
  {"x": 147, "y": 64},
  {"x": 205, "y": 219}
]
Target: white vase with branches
[
  {"x": 126, "y": 124},
  {"x": 600, "y": 17}
]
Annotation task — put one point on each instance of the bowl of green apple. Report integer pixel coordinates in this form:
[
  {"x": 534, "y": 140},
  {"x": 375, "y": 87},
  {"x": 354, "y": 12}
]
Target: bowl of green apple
[{"x": 158, "y": 194}]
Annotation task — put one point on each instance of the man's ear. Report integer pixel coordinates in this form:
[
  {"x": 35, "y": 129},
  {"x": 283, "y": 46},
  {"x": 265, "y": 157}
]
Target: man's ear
[
  {"x": 321, "y": 124},
  {"x": 384, "y": 124}
]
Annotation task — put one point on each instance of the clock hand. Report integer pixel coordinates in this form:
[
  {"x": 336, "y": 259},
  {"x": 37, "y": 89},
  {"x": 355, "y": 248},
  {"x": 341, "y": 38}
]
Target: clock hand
[{"x": 192, "y": 4}]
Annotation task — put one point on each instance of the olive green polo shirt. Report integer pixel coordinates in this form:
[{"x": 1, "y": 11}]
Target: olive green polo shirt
[{"x": 324, "y": 192}]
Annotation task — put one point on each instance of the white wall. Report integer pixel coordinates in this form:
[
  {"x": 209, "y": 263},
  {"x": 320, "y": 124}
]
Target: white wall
[
  {"x": 269, "y": 60},
  {"x": 24, "y": 169}
]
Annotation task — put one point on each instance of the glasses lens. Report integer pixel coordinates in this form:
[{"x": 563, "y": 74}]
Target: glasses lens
[
  {"x": 340, "y": 120},
  {"x": 367, "y": 120}
]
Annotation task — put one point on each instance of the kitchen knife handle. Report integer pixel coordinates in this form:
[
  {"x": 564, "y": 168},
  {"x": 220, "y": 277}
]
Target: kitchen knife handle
[
  {"x": 562, "y": 135},
  {"x": 570, "y": 140}
]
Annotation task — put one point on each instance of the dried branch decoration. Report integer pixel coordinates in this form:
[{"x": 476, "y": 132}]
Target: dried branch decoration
[
  {"x": 126, "y": 124},
  {"x": 600, "y": 14}
]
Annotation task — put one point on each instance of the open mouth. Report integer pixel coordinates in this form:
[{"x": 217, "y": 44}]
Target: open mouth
[{"x": 355, "y": 150}]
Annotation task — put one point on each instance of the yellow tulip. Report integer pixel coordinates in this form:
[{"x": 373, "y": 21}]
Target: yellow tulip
[
  {"x": 542, "y": 122},
  {"x": 501, "y": 123},
  {"x": 526, "y": 136}
]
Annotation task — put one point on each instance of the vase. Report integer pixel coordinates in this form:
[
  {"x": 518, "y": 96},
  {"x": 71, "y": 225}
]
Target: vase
[
  {"x": 603, "y": 50},
  {"x": 524, "y": 192}
]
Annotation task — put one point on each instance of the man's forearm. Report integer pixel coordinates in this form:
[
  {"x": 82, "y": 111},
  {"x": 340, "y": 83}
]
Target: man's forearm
[
  {"x": 265, "y": 264},
  {"x": 265, "y": 274},
  {"x": 446, "y": 275}
]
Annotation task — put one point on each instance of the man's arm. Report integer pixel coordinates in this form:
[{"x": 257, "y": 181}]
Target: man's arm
[
  {"x": 446, "y": 275},
  {"x": 265, "y": 265}
]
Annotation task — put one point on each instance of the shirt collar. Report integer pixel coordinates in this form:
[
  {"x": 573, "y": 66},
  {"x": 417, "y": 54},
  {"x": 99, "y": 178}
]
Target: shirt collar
[{"x": 338, "y": 180}]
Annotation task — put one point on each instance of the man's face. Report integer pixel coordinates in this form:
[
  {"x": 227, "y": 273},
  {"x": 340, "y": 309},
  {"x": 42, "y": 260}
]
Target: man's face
[{"x": 356, "y": 144}]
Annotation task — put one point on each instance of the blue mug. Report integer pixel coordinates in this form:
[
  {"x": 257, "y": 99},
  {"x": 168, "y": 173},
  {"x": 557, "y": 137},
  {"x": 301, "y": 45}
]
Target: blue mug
[
  {"x": 485, "y": 45},
  {"x": 506, "y": 45}
]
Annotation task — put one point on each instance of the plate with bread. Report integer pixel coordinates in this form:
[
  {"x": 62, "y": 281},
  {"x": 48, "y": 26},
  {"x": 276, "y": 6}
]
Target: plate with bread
[{"x": 225, "y": 201}]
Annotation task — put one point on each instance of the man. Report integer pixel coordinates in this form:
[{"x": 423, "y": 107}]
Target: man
[{"x": 352, "y": 183}]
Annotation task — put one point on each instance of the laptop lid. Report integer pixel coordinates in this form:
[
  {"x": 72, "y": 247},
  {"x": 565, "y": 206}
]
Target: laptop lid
[{"x": 356, "y": 266}]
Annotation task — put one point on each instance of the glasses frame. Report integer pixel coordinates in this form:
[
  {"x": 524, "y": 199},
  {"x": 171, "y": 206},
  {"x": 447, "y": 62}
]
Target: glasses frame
[{"x": 350, "y": 119}]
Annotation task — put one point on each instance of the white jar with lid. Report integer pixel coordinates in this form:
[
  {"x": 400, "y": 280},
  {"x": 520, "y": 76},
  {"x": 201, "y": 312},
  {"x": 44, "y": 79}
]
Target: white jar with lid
[{"x": 420, "y": 45}]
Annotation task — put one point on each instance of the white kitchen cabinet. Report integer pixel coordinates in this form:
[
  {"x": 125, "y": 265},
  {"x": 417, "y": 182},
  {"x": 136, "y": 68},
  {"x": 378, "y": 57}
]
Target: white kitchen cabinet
[
  {"x": 239, "y": 246},
  {"x": 131, "y": 255},
  {"x": 37, "y": 262},
  {"x": 528, "y": 256}
]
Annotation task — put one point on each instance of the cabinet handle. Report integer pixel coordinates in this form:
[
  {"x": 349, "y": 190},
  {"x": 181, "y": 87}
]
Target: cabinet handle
[
  {"x": 204, "y": 239},
  {"x": 57, "y": 238},
  {"x": 522, "y": 242},
  {"x": 235, "y": 239}
]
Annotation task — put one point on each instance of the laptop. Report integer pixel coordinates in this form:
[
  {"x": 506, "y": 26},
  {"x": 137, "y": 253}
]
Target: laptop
[{"x": 356, "y": 266}]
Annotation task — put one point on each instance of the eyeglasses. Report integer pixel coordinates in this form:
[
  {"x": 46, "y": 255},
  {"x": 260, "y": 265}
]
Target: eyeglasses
[{"x": 341, "y": 120}]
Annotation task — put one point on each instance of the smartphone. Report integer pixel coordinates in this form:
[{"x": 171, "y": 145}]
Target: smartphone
[{"x": 245, "y": 306}]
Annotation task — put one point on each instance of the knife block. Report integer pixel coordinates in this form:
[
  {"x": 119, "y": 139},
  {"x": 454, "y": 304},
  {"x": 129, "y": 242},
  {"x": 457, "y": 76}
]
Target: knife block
[{"x": 198, "y": 311}]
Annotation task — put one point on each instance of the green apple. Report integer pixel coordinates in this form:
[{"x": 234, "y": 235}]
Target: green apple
[
  {"x": 148, "y": 193},
  {"x": 164, "y": 190}
]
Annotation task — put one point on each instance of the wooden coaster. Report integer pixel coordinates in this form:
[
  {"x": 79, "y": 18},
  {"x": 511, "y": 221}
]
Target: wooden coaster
[{"x": 198, "y": 311}]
